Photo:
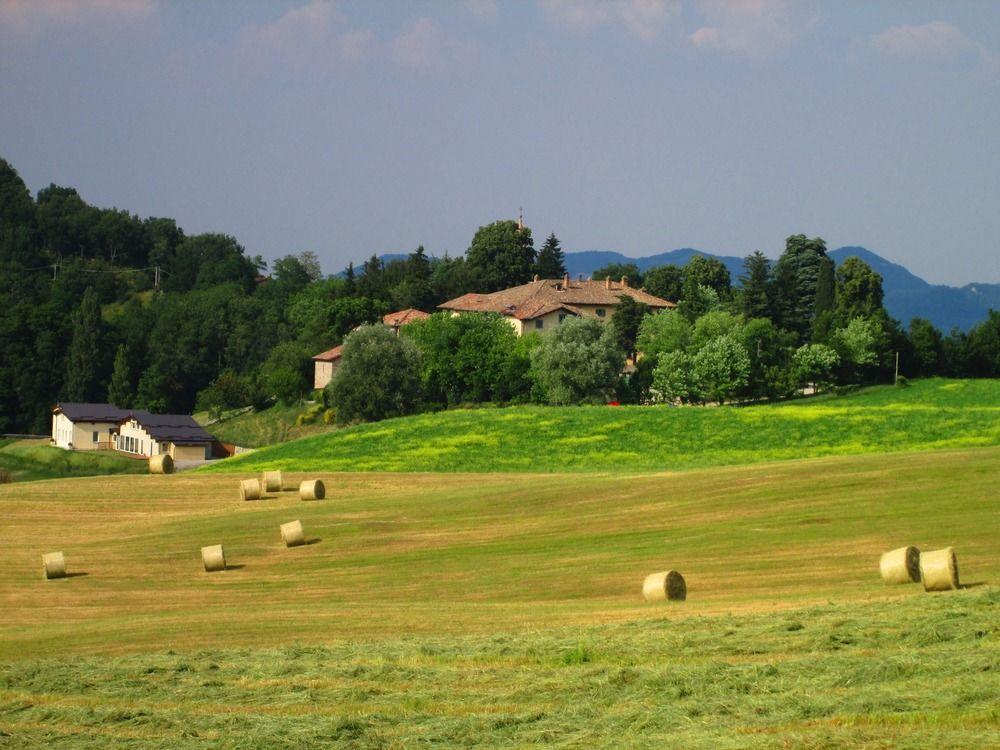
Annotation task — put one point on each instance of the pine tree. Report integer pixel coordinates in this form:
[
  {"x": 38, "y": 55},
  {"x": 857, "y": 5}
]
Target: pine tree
[
  {"x": 120, "y": 390},
  {"x": 551, "y": 263},
  {"x": 84, "y": 349}
]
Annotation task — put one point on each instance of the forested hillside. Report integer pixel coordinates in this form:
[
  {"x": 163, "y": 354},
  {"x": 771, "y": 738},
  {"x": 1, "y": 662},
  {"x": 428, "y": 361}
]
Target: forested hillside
[{"x": 102, "y": 305}]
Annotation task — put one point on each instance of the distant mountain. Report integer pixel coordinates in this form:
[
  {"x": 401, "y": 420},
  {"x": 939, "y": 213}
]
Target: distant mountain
[{"x": 907, "y": 296}]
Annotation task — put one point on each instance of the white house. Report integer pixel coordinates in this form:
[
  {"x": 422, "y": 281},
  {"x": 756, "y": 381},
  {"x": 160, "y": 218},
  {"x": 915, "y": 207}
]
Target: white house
[
  {"x": 85, "y": 427},
  {"x": 143, "y": 434}
]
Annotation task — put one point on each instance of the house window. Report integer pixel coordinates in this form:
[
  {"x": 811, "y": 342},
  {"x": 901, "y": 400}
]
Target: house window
[
  {"x": 600, "y": 312},
  {"x": 562, "y": 317},
  {"x": 95, "y": 437},
  {"x": 539, "y": 324}
]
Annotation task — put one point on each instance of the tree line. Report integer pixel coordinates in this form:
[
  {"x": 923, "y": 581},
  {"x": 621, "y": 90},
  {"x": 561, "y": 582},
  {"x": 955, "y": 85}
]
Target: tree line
[{"x": 102, "y": 305}]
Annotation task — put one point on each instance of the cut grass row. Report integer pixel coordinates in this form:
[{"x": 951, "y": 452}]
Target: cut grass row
[
  {"x": 931, "y": 414},
  {"x": 915, "y": 673},
  {"x": 31, "y": 460}
]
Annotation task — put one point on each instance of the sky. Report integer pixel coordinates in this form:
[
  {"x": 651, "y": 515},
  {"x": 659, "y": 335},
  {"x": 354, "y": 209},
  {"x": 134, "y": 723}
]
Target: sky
[{"x": 352, "y": 128}]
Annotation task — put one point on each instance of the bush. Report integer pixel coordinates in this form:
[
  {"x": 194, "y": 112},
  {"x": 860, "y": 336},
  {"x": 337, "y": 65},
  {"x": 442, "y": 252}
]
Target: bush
[{"x": 378, "y": 376}]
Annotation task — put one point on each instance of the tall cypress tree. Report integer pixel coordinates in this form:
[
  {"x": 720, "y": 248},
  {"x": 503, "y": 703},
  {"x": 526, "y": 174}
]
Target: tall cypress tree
[
  {"x": 120, "y": 391},
  {"x": 797, "y": 273},
  {"x": 82, "y": 373},
  {"x": 756, "y": 283},
  {"x": 551, "y": 263}
]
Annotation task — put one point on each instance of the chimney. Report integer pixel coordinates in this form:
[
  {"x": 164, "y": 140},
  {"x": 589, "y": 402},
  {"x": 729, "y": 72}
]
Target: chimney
[
  {"x": 579, "y": 277},
  {"x": 624, "y": 282},
  {"x": 607, "y": 283},
  {"x": 566, "y": 281},
  {"x": 536, "y": 277}
]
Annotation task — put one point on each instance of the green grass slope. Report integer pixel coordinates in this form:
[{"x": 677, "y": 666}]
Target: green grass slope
[
  {"x": 277, "y": 424},
  {"x": 931, "y": 414},
  {"x": 30, "y": 460}
]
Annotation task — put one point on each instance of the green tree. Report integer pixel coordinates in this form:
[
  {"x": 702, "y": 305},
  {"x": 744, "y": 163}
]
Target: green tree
[
  {"x": 665, "y": 282},
  {"x": 618, "y": 271},
  {"x": 711, "y": 272},
  {"x": 858, "y": 345},
  {"x": 626, "y": 321},
  {"x": 796, "y": 277},
  {"x": 228, "y": 391},
  {"x": 666, "y": 331},
  {"x": 502, "y": 255},
  {"x": 120, "y": 390},
  {"x": 859, "y": 290},
  {"x": 814, "y": 364},
  {"x": 769, "y": 349},
  {"x": 756, "y": 282},
  {"x": 83, "y": 358},
  {"x": 17, "y": 219},
  {"x": 711, "y": 326},
  {"x": 721, "y": 368},
  {"x": 578, "y": 362},
  {"x": 927, "y": 346},
  {"x": 673, "y": 378},
  {"x": 551, "y": 263},
  {"x": 983, "y": 347},
  {"x": 378, "y": 377},
  {"x": 698, "y": 300},
  {"x": 286, "y": 372}
]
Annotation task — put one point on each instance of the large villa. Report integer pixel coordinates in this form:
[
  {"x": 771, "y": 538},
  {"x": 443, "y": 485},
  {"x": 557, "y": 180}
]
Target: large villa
[{"x": 542, "y": 304}]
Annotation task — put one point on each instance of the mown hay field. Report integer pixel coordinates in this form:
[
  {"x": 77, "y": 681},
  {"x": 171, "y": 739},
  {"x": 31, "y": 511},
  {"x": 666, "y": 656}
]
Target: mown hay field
[
  {"x": 30, "y": 460},
  {"x": 505, "y": 610},
  {"x": 930, "y": 414}
]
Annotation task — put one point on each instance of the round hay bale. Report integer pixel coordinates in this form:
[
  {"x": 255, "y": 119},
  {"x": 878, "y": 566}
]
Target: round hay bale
[
  {"x": 900, "y": 565},
  {"x": 312, "y": 489},
  {"x": 250, "y": 489},
  {"x": 161, "y": 464},
  {"x": 214, "y": 558},
  {"x": 53, "y": 565},
  {"x": 668, "y": 585},
  {"x": 271, "y": 481},
  {"x": 939, "y": 570},
  {"x": 292, "y": 534}
]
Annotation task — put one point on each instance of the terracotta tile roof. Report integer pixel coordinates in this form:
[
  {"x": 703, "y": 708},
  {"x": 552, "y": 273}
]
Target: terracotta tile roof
[
  {"x": 541, "y": 297},
  {"x": 403, "y": 317},
  {"x": 330, "y": 355}
]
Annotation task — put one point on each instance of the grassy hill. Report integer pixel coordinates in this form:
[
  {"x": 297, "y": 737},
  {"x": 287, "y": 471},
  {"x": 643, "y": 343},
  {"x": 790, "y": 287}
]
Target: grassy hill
[
  {"x": 29, "y": 460},
  {"x": 277, "y": 424},
  {"x": 504, "y": 610},
  {"x": 931, "y": 414}
]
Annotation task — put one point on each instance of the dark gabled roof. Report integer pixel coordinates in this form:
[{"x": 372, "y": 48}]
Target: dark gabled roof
[
  {"x": 77, "y": 412},
  {"x": 174, "y": 428}
]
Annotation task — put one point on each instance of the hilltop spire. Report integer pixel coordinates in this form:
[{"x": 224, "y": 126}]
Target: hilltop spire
[{"x": 520, "y": 218}]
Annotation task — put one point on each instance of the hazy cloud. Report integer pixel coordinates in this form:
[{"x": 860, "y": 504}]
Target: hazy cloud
[
  {"x": 307, "y": 33},
  {"x": 642, "y": 18},
  {"x": 488, "y": 9},
  {"x": 935, "y": 40},
  {"x": 425, "y": 43},
  {"x": 757, "y": 28},
  {"x": 30, "y": 16}
]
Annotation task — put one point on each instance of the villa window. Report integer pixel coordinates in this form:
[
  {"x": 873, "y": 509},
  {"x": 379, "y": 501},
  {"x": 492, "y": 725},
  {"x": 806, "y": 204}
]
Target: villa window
[
  {"x": 95, "y": 437},
  {"x": 539, "y": 324},
  {"x": 600, "y": 312},
  {"x": 562, "y": 317}
]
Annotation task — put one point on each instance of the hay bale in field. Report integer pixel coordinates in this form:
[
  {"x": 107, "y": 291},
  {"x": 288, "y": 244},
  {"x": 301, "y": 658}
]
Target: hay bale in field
[
  {"x": 5, "y": 477},
  {"x": 292, "y": 534},
  {"x": 312, "y": 489},
  {"x": 214, "y": 558},
  {"x": 668, "y": 585},
  {"x": 939, "y": 570},
  {"x": 900, "y": 565},
  {"x": 249, "y": 489},
  {"x": 53, "y": 565},
  {"x": 271, "y": 481},
  {"x": 161, "y": 464}
]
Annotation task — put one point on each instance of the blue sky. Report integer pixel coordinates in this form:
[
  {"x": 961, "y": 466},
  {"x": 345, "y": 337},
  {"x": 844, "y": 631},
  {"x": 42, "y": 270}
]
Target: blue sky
[{"x": 640, "y": 126}]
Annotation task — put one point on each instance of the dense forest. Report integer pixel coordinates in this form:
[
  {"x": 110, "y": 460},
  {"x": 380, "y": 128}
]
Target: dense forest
[{"x": 100, "y": 304}]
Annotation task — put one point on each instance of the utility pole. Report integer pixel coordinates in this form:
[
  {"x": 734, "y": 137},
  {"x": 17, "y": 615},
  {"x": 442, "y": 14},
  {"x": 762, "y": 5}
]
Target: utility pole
[{"x": 895, "y": 379}]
